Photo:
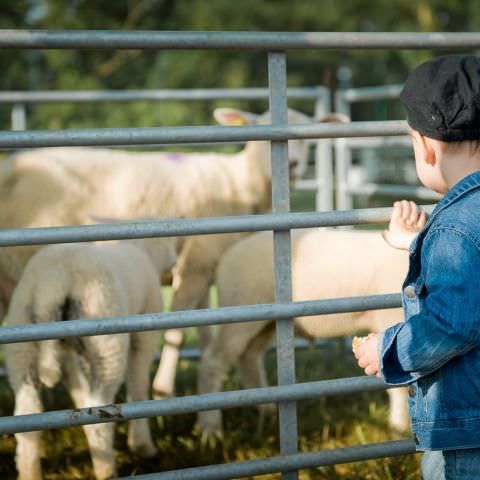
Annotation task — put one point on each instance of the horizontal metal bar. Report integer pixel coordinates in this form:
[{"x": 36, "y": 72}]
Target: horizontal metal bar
[
  {"x": 378, "y": 142},
  {"x": 306, "y": 184},
  {"x": 194, "y": 318},
  {"x": 40, "y": 96},
  {"x": 193, "y": 226},
  {"x": 370, "y": 93},
  {"x": 188, "y": 404},
  {"x": 203, "y": 134},
  {"x": 421, "y": 193},
  {"x": 200, "y": 40},
  {"x": 286, "y": 463}
]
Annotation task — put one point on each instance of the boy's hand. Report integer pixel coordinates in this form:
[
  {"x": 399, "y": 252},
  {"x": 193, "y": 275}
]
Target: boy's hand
[
  {"x": 366, "y": 354},
  {"x": 406, "y": 221}
]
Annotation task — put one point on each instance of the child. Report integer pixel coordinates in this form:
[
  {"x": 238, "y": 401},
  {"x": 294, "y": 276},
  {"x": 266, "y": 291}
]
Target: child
[{"x": 436, "y": 351}]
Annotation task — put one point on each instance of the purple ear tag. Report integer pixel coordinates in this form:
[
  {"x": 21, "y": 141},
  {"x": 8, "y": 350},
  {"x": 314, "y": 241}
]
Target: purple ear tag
[{"x": 174, "y": 157}]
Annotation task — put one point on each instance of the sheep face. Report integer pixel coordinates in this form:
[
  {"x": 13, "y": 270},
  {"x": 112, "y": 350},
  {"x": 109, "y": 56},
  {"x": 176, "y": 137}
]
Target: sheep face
[{"x": 260, "y": 151}]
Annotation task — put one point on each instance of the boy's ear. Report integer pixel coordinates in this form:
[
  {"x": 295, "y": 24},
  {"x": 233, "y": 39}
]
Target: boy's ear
[{"x": 430, "y": 150}]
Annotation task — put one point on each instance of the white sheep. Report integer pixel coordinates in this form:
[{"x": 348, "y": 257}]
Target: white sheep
[
  {"x": 65, "y": 186},
  {"x": 86, "y": 280},
  {"x": 326, "y": 263}
]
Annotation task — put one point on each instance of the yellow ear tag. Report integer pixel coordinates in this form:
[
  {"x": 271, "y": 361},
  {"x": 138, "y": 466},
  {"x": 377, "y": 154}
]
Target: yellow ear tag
[{"x": 237, "y": 121}]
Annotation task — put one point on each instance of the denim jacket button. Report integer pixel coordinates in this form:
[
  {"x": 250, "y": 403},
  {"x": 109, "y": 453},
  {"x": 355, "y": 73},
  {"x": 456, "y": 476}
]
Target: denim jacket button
[
  {"x": 409, "y": 291},
  {"x": 412, "y": 390}
]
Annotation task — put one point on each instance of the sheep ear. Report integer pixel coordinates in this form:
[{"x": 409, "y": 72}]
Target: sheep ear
[
  {"x": 333, "y": 118},
  {"x": 232, "y": 116}
]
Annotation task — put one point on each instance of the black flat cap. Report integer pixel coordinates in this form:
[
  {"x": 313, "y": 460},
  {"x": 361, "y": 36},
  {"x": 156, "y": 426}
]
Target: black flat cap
[{"x": 442, "y": 98}]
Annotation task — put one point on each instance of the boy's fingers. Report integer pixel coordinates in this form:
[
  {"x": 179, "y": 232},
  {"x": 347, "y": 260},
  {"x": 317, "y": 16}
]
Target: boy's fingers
[
  {"x": 422, "y": 220},
  {"x": 397, "y": 211},
  {"x": 362, "y": 362},
  {"x": 413, "y": 213},
  {"x": 370, "y": 370},
  {"x": 405, "y": 210}
]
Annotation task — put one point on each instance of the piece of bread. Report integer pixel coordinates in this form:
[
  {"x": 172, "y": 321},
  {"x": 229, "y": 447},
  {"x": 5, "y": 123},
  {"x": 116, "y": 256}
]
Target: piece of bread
[{"x": 356, "y": 342}]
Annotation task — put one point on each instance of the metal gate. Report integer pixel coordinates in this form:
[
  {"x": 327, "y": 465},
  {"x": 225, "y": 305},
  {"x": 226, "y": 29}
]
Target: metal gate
[
  {"x": 275, "y": 45},
  {"x": 345, "y": 189},
  {"x": 321, "y": 96}
]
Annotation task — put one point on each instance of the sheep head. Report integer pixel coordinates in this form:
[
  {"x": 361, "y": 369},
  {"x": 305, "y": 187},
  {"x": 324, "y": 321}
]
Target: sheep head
[{"x": 258, "y": 152}]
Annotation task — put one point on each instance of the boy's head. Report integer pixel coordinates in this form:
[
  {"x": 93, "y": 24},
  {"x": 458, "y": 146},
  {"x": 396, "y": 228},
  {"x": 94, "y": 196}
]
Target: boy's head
[{"x": 442, "y": 98}]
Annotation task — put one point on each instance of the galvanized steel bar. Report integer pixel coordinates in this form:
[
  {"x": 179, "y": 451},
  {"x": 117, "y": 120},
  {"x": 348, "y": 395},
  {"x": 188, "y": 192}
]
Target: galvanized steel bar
[
  {"x": 343, "y": 158},
  {"x": 287, "y": 411},
  {"x": 297, "y": 461},
  {"x": 191, "y": 318},
  {"x": 49, "y": 96},
  {"x": 266, "y": 41},
  {"x": 343, "y": 161},
  {"x": 194, "y": 226},
  {"x": 204, "y": 134},
  {"x": 370, "y": 93},
  {"x": 379, "y": 142},
  {"x": 18, "y": 117},
  {"x": 188, "y": 404},
  {"x": 420, "y": 193}
]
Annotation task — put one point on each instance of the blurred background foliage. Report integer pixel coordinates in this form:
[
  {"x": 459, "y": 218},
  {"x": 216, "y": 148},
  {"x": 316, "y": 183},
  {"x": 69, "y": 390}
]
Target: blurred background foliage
[{"x": 85, "y": 70}]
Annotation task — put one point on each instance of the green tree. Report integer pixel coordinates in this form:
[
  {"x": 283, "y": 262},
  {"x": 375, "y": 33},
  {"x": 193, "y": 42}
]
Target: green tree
[{"x": 123, "y": 69}]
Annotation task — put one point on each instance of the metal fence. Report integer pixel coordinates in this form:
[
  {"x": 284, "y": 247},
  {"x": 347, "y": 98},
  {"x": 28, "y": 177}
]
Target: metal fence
[
  {"x": 287, "y": 392},
  {"x": 323, "y": 181},
  {"x": 346, "y": 189}
]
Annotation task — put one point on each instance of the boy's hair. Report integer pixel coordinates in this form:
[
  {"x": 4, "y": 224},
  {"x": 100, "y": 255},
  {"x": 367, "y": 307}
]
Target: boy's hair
[
  {"x": 472, "y": 147},
  {"x": 442, "y": 98}
]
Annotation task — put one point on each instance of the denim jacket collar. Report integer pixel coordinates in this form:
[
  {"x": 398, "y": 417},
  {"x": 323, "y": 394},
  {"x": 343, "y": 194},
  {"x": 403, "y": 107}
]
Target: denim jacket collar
[{"x": 461, "y": 188}]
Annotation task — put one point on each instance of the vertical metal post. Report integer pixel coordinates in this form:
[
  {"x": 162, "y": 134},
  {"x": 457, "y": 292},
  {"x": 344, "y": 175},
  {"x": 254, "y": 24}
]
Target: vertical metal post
[
  {"x": 343, "y": 159},
  {"x": 18, "y": 117},
  {"x": 323, "y": 159},
  {"x": 277, "y": 79}
]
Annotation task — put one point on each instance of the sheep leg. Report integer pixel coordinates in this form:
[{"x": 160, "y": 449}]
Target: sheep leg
[
  {"x": 251, "y": 367},
  {"x": 205, "y": 332},
  {"x": 28, "y": 452},
  {"x": 21, "y": 362},
  {"x": 220, "y": 355},
  {"x": 100, "y": 443},
  {"x": 184, "y": 284},
  {"x": 99, "y": 436},
  {"x": 164, "y": 380},
  {"x": 399, "y": 418},
  {"x": 142, "y": 348}
]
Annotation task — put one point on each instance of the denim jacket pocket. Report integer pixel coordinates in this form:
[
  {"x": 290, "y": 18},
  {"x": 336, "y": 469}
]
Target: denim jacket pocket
[{"x": 431, "y": 395}]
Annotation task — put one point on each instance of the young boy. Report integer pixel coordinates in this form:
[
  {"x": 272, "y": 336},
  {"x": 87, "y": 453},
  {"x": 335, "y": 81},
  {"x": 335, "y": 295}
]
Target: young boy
[{"x": 436, "y": 351}]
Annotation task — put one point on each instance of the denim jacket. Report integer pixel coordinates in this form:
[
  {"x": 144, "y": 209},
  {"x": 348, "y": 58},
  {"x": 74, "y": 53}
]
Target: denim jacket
[{"x": 436, "y": 351}]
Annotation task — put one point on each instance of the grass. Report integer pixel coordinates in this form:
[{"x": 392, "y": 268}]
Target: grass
[{"x": 324, "y": 423}]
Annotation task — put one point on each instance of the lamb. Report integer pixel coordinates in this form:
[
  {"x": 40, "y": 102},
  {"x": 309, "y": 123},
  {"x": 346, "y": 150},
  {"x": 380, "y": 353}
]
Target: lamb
[
  {"x": 87, "y": 280},
  {"x": 66, "y": 186},
  {"x": 326, "y": 263}
]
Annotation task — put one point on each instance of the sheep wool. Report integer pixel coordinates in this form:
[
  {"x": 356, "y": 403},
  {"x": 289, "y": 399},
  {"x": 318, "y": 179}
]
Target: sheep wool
[
  {"x": 85, "y": 280},
  {"x": 326, "y": 263},
  {"x": 67, "y": 186}
]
